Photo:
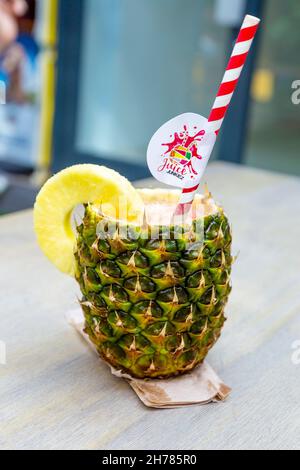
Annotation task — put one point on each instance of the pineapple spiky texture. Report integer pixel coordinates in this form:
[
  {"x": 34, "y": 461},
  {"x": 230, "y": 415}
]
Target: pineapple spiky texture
[{"x": 154, "y": 306}]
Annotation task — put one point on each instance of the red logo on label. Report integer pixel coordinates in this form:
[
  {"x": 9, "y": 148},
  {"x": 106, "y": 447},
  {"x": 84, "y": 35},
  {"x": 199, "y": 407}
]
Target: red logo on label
[{"x": 178, "y": 158}]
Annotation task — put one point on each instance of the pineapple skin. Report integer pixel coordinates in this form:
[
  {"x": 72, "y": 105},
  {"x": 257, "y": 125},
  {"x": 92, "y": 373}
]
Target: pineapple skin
[{"x": 153, "y": 307}]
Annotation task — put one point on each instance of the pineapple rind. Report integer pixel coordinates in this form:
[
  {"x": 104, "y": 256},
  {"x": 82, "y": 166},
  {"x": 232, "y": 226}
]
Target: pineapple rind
[{"x": 154, "y": 308}]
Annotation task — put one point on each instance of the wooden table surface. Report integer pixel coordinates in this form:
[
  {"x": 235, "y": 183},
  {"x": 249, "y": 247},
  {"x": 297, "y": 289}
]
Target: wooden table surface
[{"x": 56, "y": 394}]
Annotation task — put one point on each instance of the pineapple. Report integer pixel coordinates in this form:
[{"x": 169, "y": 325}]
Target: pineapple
[
  {"x": 154, "y": 307},
  {"x": 69, "y": 188},
  {"x": 153, "y": 294}
]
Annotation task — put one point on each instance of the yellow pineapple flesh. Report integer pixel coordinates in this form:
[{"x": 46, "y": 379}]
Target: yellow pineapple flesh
[{"x": 69, "y": 188}]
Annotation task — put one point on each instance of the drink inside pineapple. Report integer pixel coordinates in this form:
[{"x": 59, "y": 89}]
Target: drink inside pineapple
[
  {"x": 160, "y": 205},
  {"x": 154, "y": 295}
]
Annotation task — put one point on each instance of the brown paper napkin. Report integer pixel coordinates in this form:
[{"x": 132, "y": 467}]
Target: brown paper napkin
[{"x": 200, "y": 386}]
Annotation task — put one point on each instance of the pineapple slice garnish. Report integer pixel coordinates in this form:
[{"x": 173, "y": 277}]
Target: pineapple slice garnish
[{"x": 80, "y": 184}]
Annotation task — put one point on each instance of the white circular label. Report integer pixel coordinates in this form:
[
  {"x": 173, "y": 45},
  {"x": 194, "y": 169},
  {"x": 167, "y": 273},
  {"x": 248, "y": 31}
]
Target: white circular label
[{"x": 178, "y": 152}]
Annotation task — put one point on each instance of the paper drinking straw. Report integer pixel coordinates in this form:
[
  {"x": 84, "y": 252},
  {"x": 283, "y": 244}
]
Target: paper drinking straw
[{"x": 228, "y": 85}]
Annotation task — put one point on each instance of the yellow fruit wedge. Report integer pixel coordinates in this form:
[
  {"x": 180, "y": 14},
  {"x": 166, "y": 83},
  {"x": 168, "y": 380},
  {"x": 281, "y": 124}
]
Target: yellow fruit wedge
[{"x": 69, "y": 188}]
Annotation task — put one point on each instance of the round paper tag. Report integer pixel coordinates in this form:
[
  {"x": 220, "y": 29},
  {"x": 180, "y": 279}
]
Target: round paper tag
[{"x": 178, "y": 152}]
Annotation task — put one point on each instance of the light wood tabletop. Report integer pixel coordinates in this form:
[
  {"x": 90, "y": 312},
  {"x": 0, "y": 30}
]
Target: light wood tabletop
[{"x": 56, "y": 394}]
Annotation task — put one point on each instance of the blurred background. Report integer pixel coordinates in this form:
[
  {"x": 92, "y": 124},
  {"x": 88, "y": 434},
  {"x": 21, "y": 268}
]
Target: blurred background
[{"x": 92, "y": 80}]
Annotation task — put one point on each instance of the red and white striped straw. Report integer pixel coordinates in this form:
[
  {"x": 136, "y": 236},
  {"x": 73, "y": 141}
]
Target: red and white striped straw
[{"x": 225, "y": 93}]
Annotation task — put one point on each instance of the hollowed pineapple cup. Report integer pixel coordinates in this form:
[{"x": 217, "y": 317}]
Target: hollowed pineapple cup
[{"x": 154, "y": 295}]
